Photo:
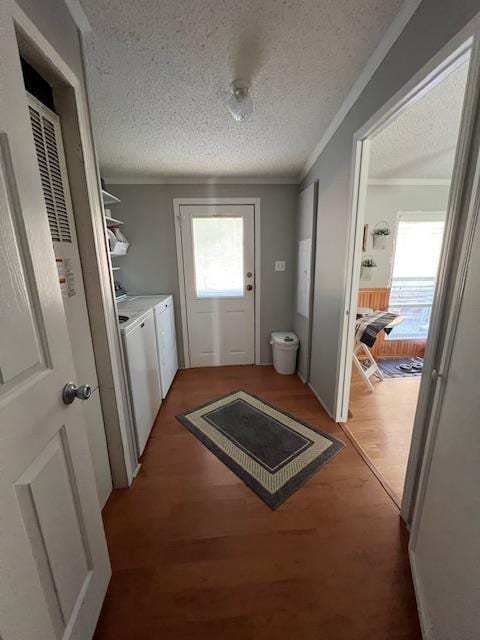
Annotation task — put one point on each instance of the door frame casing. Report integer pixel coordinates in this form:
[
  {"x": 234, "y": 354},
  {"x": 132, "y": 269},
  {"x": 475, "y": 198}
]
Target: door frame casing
[
  {"x": 314, "y": 185},
  {"x": 91, "y": 244},
  {"x": 446, "y": 302},
  {"x": 423, "y": 81},
  {"x": 177, "y": 204}
]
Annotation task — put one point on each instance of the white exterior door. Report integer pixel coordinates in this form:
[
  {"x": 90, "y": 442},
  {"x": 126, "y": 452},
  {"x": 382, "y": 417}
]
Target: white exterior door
[
  {"x": 218, "y": 259},
  {"x": 53, "y": 555}
]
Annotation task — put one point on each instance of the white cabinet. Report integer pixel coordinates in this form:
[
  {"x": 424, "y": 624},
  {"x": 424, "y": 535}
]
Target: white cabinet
[
  {"x": 140, "y": 348},
  {"x": 166, "y": 343}
]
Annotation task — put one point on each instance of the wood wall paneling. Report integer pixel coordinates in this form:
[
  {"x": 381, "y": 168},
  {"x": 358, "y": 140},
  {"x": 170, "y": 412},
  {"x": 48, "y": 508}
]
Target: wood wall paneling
[{"x": 376, "y": 299}]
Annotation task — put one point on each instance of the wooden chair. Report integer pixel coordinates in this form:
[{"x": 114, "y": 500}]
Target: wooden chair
[{"x": 361, "y": 352}]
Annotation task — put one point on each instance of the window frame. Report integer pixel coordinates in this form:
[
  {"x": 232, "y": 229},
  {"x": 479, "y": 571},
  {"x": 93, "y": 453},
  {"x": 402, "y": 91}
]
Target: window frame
[
  {"x": 217, "y": 295},
  {"x": 410, "y": 216}
]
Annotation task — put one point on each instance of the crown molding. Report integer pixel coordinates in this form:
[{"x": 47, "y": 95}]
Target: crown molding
[
  {"x": 79, "y": 16},
  {"x": 411, "y": 182},
  {"x": 391, "y": 35},
  {"x": 199, "y": 180}
]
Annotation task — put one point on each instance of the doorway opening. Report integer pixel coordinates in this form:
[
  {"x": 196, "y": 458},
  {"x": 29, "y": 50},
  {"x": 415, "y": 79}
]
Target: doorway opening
[
  {"x": 404, "y": 225},
  {"x": 68, "y": 178}
]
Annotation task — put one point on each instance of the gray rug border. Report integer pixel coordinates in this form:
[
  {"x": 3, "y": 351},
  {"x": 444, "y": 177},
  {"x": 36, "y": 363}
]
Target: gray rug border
[{"x": 276, "y": 499}]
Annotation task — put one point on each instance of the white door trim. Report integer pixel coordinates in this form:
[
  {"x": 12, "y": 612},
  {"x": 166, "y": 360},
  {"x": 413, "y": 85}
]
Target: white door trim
[
  {"x": 446, "y": 60},
  {"x": 102, "y": 314},
  {"x": 433, "y": 73},
  {"x": 177, "y": 203},
  {"x": 452, "y": 54}
]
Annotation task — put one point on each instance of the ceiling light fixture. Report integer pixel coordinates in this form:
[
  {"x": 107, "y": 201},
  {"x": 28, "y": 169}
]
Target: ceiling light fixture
[{"x": 240, "y": 103}]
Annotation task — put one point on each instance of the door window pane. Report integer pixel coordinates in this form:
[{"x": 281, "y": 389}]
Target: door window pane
[{"x": 218, "y": 257}]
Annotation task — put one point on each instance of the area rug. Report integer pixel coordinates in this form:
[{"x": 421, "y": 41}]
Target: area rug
[
  {"x": 399, "y": 368},
  {"x": 270, "y": 450}
]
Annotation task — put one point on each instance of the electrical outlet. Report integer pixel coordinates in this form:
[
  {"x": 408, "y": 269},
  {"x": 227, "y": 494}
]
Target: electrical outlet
[{"x": 280, "y": 265}]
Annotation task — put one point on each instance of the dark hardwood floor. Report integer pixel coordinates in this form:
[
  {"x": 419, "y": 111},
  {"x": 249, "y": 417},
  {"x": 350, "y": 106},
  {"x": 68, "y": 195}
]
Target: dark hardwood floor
[{"x": 197, "y": 555}]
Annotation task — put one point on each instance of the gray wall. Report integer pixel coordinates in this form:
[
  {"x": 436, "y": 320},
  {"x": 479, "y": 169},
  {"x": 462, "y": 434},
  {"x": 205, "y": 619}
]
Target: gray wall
[
  {"x": 432, "y": 26},
  {"x": 55, "y": 22},
  {"x": 383, "y": 203},
  {"x": 306, "y": 217},
  {"x": 151, "y": 263}
]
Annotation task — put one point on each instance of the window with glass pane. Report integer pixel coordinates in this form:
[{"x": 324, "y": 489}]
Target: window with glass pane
[
  {"x": 218, "y": 257},
  {"x": 415, "y": 266}
]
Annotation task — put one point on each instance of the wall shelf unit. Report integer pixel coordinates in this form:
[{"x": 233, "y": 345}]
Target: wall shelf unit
[
  {"x": 112, "y": 222},
  {"x": 109, "y": 198}
]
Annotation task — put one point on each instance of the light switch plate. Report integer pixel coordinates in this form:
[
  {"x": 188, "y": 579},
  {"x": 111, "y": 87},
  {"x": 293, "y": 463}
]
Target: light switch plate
[{"x": 280, "y": 265}]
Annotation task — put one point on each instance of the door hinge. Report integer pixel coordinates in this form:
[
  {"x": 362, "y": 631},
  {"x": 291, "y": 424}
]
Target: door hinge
[{"x": 436, "y": 375}]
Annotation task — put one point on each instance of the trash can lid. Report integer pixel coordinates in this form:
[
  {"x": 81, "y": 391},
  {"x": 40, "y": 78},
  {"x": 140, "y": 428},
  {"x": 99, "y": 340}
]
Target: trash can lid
[{"x": 284, "y": 337}]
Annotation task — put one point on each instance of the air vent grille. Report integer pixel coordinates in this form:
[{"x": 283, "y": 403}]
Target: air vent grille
[{"x": 51, "y": 174}]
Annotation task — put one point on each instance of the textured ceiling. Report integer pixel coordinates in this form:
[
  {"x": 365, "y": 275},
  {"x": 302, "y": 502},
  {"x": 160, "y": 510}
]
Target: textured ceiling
[
  {"x": 158, "y": 74},
  {"x": 421, "y": 142}
]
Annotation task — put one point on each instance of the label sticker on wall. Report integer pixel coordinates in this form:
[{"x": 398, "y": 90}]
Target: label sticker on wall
[
  {"x": 61, "y": 276},
  {"x": 69, "y": 277},
  {"x": 66, "y": 277}
]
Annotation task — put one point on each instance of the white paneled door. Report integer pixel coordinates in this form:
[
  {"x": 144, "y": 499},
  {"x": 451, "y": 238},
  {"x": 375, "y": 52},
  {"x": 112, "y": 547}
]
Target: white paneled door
[
  {"x": 54, "y": 563},
  {"x": 218, "y": 261},
  {"x": 47, "y": 135}
]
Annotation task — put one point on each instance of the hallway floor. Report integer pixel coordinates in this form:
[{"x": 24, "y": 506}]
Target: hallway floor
[{"x": 196, "y": 554}]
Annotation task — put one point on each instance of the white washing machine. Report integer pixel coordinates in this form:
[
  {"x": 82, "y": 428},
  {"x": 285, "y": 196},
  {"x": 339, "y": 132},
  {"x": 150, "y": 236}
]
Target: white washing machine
[
  {"x": 140, "y": 349},
  {"x": 164, "y": 313},
  {"x": 166, "y": 343}
]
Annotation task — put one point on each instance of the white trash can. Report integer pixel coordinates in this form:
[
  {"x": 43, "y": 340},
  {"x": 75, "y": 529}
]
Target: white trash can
[{"x": 285, "y": 347}]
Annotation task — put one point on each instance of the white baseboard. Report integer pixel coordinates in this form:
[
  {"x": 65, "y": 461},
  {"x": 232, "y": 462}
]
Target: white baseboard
[
  {"x": 320, "y": 401},
  {"x": 257, "y": 364},
  {"x": 137, "y": 470},
  {"x": 421, "y": 609},
  {"x": 301, "y": 377}
]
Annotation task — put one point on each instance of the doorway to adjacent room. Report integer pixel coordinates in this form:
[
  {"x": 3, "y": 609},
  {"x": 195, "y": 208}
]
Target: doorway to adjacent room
[{"x": 404, "y": 226}]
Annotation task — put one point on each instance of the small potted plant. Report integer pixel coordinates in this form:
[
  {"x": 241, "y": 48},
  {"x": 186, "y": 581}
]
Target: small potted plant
[
  {"x": 368, "y": 264},
  {"x": 380, "y": 234}
]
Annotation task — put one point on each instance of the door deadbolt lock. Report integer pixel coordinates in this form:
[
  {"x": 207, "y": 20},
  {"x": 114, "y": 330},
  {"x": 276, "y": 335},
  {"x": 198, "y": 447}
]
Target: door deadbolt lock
[
  {"x": 249, "y": 274},
  {"x": 71, "y": 391}
]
